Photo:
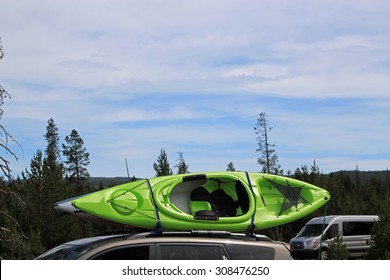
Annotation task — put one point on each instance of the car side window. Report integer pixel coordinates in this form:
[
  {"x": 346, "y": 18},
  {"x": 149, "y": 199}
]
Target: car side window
[
  {"x": 244, "y": 252},
  {"x": 332, "y": 232},
  {"x": 357, "y": 228},
  {"x": 124, "y": 253},
  {"x": 191, "y": 252}
]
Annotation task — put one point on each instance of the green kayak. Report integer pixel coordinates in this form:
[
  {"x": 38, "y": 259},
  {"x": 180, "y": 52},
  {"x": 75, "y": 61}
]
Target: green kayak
[{"x": 231, "y": 201}]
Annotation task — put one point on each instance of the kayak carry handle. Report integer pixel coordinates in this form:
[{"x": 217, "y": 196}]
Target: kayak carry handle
[{"x": 194, "y": 177}]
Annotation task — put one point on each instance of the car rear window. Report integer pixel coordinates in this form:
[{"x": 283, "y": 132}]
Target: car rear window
[
  {"x": 64, "y": 252},
  {"x": 245, "y": 252},
  {"x": 190, "y": 252},
  {"x": 357, "y": 228},
  {"x": 124, "y": 253}
]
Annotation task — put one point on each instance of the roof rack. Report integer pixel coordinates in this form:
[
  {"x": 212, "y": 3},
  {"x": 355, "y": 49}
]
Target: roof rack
[
  {"x": 204, "y": 233},
  {"x": 123, "y": 231}
]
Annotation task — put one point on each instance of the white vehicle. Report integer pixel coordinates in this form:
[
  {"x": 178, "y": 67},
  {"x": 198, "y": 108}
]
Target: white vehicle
[{"x": 317, "y": 235}]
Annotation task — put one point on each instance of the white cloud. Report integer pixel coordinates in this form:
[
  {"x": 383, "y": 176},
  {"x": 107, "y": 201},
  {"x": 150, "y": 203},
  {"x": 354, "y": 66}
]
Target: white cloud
[
  {"x": 326, "y": 86},
  {"x": 135, "y": 77},
  {"x": 157, "y": 114},
  {"x": 266, "y": 71}
]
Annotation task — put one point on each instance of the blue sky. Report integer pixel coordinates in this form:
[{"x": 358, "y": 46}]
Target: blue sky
[{"x": 135, "y": 77}]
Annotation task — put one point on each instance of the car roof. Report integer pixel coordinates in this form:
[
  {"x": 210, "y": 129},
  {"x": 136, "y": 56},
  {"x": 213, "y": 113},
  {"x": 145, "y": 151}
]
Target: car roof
[
  {"x": 108, "y": 240},
  {"x": 203, "y": 234},
  {"x": 328, "y": 219},
  {"x": 96, "y": 239}
]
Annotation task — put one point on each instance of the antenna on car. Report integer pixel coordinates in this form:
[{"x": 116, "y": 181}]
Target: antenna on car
[{"x": 127, "y": 169}]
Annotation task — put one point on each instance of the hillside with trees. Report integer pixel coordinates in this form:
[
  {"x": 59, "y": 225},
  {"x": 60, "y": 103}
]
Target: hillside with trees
[
  {"x": 38, "y": 227},
  {"x": 30, "y": 225}
]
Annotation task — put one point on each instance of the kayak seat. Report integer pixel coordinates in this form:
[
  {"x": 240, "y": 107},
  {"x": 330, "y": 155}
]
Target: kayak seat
[
  {"x": 196, "y": 206},
  {"x": 226, "y": 207},
  {"x": 222, "y": 205},
  {"x": 200, "y": 205}
]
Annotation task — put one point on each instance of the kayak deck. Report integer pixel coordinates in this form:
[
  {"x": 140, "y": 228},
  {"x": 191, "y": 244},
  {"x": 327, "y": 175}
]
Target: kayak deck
[{"x": 230, "y": 201}]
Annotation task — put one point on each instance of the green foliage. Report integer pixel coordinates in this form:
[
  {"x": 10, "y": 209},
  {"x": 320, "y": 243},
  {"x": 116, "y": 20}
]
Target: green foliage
[
  {"x": 231, "y": 167},
  {"x": 33, "y": 225},
  {"x": 380, "y": 249},
  {"x": 77, "y": 159},
  {"x": 14, "y": 242},
  {"x": 337, "y": 249},
  {"x": 162, "y": 167},
  {"x": 52, "y": 137},
  {"x": 275, "y": 233},
  {"x": 182, "y": 167},
  {"x": 21, "y": 246}
]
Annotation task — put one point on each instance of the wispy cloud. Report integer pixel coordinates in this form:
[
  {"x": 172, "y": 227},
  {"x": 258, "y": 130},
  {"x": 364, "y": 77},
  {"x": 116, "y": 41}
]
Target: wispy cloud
[{"x": 135, "y": 77}]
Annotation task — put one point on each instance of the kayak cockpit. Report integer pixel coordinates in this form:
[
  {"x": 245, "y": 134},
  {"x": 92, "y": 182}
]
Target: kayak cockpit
[{"x": 209, "y": 199}]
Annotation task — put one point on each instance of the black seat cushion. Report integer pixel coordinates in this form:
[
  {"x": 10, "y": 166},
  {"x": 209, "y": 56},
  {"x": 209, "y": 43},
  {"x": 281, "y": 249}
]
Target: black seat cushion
[
  {"x": 225, "y": 203},
  {"x": 222, "y": 204}
]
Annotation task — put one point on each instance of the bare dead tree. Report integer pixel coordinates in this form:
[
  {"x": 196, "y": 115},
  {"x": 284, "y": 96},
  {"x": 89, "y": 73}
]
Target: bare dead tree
[
  {"x": 8, "y": 230},
  {"x": 268, "y": 157},
  {"x": 5, "y": 137},
  {"x": 2, "y": 53}
]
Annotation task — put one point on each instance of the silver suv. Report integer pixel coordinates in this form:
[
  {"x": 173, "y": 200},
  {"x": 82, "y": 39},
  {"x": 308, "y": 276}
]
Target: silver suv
[{"x": 194, "y": 245}]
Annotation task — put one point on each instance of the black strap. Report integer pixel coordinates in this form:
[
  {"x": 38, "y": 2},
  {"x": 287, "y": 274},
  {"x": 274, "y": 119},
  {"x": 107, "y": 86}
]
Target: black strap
[
  {"x": 251, "y": 228},
  {"x": 159, "y": 228}
]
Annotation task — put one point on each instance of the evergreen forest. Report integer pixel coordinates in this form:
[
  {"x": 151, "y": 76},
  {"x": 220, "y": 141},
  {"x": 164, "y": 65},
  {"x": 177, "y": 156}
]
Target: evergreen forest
[{"x": 30, "y": 225}]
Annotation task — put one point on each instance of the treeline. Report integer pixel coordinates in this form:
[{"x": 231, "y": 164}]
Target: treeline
[
  {"x": 350, "y": 195},
  {"x": 30, "y": 225}
]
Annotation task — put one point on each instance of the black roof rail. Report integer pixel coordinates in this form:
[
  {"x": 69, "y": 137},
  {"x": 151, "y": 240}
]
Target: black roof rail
[
  {"x": 211, "y": 233},
  {"x": 204, "y": 233},
  {"x": 124, "y": 231}
]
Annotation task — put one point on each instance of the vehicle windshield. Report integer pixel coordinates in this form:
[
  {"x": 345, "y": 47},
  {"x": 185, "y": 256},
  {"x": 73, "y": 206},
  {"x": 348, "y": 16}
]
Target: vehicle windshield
[
  {"x": 312, "y": 230},
  {"x": 64, "y": 252}
]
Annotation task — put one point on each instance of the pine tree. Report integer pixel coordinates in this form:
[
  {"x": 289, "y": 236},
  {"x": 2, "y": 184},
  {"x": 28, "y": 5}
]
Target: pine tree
[
  {"x": 77, "y": 159},
  {"x": 380, "y": 248},
  {"x": 41, "y": 187},
  {"x": 52, "y": 151},
  {"x": 268, "y": 157},
  {"x": 162, "y": 167},
  {"x": 53, "y": 188},
  {"x": 182, "y": 167},
  {"x": 337, "y": 249},
  {"x": 316, "y": 177},
  {"x": 231, "y": 167},
  {"x": 13, "y": 237},
  {"x": 302, "y": 173},
  {"x": 314, "y": 169},
  {"x": 52, "y": 167},
  {"x": 33, "y": 190}
]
